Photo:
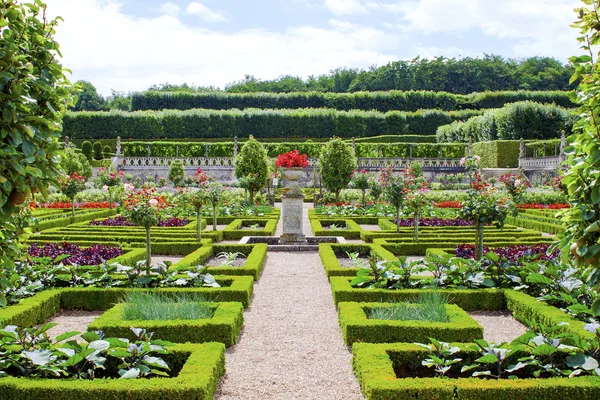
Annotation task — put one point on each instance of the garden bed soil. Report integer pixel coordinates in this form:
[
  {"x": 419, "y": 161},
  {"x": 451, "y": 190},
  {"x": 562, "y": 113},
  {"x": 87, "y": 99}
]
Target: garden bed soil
[
  {"x": 345, "y": 262},
  {"x": 217, "y": 262},
  {"x": 156, "y": 259},
  {"x": 71, "y": 320},
  {"x": 370, "y": 227},
  {"x": 498, "y": 326}
]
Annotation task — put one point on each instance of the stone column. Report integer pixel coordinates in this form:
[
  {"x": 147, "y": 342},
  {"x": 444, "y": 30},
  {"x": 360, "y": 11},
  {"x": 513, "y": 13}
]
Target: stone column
[
  {"x": 470, "y": 148},
  {"x": 521, "y": 151},
  {"x": 291, "y": 209},
  {"x": 563, "y": 144},
  {"x": 235, "y": 146}
]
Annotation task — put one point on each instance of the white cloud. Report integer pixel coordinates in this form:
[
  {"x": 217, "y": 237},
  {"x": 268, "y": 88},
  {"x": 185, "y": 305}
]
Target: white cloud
[
  {"x": 139, "y": 52},
  {"x": 199, "y": 9},
  {"x": 345, "y": 7},
  {"x": 169, "y": 9}
]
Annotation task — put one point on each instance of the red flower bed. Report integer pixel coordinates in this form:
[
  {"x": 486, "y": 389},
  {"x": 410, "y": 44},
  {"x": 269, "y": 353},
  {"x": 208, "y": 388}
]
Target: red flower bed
[
  {"x": 511, "y": 253},
  {"x": 531, "y": 206},
  {"x": 448, "y": 204},
  {"x": 435, "y": 222},
  {"x": 91, "y": 204},
  {"x": 92, "y": 255},
  {"x": 124, "y": 221}
]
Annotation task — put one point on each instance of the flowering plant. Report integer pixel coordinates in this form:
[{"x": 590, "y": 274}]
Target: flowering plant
[
  {"x": 360, "y": 180},
  {"x": 292, "y": 159},
  {"x": 93, "y": 255},
  {"x": 71, "y": 185},
  {"x": 515, "y": 185},
  {"x": 200, "y": 176},
  {"x": 448, "y": 204}
]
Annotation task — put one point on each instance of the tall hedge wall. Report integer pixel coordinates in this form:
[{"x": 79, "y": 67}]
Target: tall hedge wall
[
  {"x": 498, "y": 154},
  {"x": 522, "y": 120},
  {"x": 380, "y": 101},
  {"x": 305, "y": 123},
  {"x": 312, "y": 149}
]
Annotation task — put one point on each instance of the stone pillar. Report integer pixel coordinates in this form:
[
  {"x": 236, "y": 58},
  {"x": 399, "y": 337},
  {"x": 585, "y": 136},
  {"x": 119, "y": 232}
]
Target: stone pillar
[
  {"x": 410, "y": 150},
  {"x": 206, "y": 150},
  {"x": 67, "y": 144},
  {"x": 118, "y": 147},
  {"x": 563, "y": 144},
  {"x": 353, "y": 145},
  {"x": 149, "y": 148},
  {"x": 379, "y": 151},
  {"x": 177, "y": 150},
  {"x": 235, "y": 146},
  {"x": 521, "y": 151},
  {"x": 291, "y": 209},
  {"x": 470, "y": 148}
]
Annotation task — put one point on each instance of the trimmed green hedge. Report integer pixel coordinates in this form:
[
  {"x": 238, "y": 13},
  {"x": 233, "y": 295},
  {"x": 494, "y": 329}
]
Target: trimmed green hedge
[
  {"x": 256, "y": 257},
  {"x": 224, "y": 326},
  {"x": 375, "y": 364},
  {"x": 467, "y": 299},
  {"x": 233, "y": 231},
  {"x": 202, "y": 367},
  {"x": 300, "y": 123},
  {"x": 327, "y": 252},
  {"x": 351, "y": 231},
  {"x": 357, "y": 327},
  {"x": 381, "y": 101},
  {"x": 68, "y": 220},
  {"x": 537, "y": 225},
  {"x": 498, "y": 154}
]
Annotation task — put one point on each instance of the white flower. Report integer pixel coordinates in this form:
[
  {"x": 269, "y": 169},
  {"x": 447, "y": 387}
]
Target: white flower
[
  {"x": 153, "y": 202},
  {"x": 105, "y": 189},
  {"x": 462, "y": 161},
  {"x": 477, "y": 158},
  {"x": 518, "y": 182},
  {"x": 128, "y": 187}
]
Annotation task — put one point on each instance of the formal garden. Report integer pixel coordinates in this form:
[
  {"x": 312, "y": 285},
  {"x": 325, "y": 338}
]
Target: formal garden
[{"x": 364, "y": 245}]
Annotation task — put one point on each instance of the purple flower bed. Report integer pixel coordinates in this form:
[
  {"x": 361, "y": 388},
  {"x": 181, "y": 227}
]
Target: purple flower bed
[
  {"x": 124, "y": 221},
  {"x": 92, "y": 255},
  {"x": 435, "y": 222},
  {"x": 511, "y": 253}
]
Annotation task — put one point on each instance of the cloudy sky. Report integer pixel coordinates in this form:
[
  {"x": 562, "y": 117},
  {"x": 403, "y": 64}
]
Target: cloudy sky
[{"x": 129, "y": 45}]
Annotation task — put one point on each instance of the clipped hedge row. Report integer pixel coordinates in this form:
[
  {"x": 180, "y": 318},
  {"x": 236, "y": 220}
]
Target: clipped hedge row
[
  {"x": 498, "y": 153},
  {"x": 68, "y": 220},
  {"x": 381, "y": 101},
  {"x": 256, "y": 256},
  {"x": 233, "y": 231},
  {"x": 202, "y": 367},
  {"x": 312, "y": 149},
  {"x": 301, "y": 123},
  {"x": 467, "y": 299},
  {"x": 223, "y": 327},
  {"x": 330, "y": 261},
  {"x": 349, "y": 229},
  {"x": 357, "y": 327},
  {"x": 522, "y": 120},
  {"x": 375, "y": 366},
  {"x": 537, "y": 225}
]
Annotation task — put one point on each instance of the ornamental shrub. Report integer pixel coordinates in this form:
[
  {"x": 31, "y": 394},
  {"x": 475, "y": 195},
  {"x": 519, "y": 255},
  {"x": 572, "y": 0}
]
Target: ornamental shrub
[
  {"x": 336, "y": 162},
  {"x": 87, "y": 149},
  {"x": 98, "y": 150},
  {"x": 176, "y": 172},
  {"x": 252, "y": 164},
  {"x": 106, "y": 151}
]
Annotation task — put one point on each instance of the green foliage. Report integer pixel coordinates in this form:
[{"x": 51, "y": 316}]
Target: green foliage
[
  {"x": 581, "y": 177},
  {"x": 156, "y": 306},
  {"x": 521, "y": 120},
  {"x": 35, "y": 96},
  {"x": 88, "y": 98},
  {"x": 336, "y": 163},
  {"x": 252, "y": 163},
  {"x": 73, "y": 161},
  {"x": 176, "y": 172},
  {"x": 106, "y": 151},
  {"x": 428, "y": 306},
  {"x": 87, "y": 149},
  {"x": 98, "y": 150}
]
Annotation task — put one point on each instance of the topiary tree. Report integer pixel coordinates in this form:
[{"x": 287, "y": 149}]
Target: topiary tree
[
  {"x": 35, "y": 95},
  {"x": 582, "y": 236},
  {"x": 252, "y": 164},
  {"x": 360, "y": 181},
  {"x": 337, "y": 161},
  {"x": 73, "y": 161},
  {"x": 106, "y": 151},
  {"x": 176, "y": 172},
  {"x": 87, "y": 149},
  {"x": 97, "y": 150}
]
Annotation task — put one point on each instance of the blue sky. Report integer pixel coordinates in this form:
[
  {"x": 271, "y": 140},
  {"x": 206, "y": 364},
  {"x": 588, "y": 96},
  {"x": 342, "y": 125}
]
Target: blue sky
[{"x": 128, "y": 45}]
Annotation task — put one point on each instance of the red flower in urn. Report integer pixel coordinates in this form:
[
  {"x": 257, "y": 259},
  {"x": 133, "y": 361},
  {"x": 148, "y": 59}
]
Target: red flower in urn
[{"x": 292, "y": 159}]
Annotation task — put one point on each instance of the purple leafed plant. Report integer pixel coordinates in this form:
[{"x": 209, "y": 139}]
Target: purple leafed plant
[
  {"x": 435, "y": 222},
  {"x": 511, "y": 253},
  {"x": 92, "y": 255},
  {"x": 124, "y": 221}
]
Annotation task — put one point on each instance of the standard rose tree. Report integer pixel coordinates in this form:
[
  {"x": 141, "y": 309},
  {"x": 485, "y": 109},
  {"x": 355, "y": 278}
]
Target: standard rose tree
[{"x": 71, "y": 185}]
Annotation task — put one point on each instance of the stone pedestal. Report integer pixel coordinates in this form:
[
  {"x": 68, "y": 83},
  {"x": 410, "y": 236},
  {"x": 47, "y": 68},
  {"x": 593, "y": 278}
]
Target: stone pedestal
[{"x": 291, "y": 216}]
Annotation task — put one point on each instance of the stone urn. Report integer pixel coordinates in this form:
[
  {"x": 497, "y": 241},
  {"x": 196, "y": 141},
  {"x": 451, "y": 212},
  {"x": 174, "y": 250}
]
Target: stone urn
[{"x": 293, "y": 175}]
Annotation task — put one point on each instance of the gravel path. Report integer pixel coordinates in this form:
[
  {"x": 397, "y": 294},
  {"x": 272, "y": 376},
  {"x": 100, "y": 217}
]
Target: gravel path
[
  {"x": 498, "y": 326},
  {"x": 69, "y": 321},
  {"x": 291, "y": 346}
]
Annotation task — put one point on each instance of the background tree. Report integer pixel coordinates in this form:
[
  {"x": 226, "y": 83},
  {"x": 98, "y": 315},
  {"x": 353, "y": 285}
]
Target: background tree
[
  {"x": 252, "y": 164},
  {"x": 88, "y": 98},
  {"x": 119, "y": 101},
  {"x": 73, "y": 161},
  {"x": 582, "y": 177},
  {"x": 337, "y": 161},
  {"x": 35, "y": 95},
  {"x": 176, "y": 172}
]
